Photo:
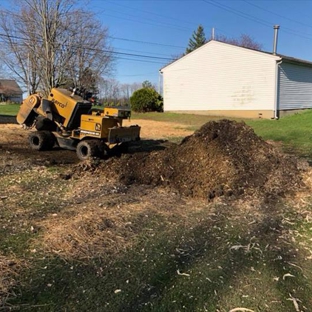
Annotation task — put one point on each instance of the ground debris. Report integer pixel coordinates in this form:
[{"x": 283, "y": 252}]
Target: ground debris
[
  {"x": 295, "y": 302},
  {"x": 241, "y": 310},
  {"x": 9, "y": 269},
  {"x": 222, "y": 159}
]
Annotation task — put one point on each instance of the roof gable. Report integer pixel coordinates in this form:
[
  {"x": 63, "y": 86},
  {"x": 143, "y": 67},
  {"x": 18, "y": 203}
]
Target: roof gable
[
  {"x": 9, "y": 86},
  {"x": 278, "y": 56},
  {"x": 211, "y": 43}
]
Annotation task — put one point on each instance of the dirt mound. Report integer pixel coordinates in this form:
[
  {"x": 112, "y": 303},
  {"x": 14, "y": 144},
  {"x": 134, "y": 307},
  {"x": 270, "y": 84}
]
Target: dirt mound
[{"x": 223, "y": 158}]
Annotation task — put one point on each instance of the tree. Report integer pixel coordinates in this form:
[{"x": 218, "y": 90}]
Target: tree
[
  {"x": 147, "y": 84},
  {"x": 109, "y": 91},
  {"x": 146, "y": 100},
  {"x": 243, "y": 41},
  {"x": 197, "y": 40},
  {"x": 47, "y": 42},
  {"x": 126, "y": 90}
]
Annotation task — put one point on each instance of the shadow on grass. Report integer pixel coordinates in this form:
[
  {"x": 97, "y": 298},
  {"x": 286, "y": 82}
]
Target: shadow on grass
[{"x": 209, "y": 262}]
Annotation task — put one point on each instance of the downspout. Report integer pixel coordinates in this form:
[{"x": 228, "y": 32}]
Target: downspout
[
  {"x": 276, "y": 88},
  {"x": 160, "y": 82},
  {"x": 276, "y": 28}
]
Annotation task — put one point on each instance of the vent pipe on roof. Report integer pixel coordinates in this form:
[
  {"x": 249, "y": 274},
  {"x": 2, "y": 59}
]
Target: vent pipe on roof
[
  {"x": 212, "y": 33},
  {"x": 276, "y": 28}
]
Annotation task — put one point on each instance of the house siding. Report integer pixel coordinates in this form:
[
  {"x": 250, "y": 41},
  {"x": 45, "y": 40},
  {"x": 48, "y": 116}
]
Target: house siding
[
  {"x": 220, "y": 76},
  {"x": 295, "y": 87},
  {"x": 10, "y": 91},
  {"x": 16, "y": 98}
]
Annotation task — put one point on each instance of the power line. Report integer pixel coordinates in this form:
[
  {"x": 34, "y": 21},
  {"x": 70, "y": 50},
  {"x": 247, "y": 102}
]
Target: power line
[
  {"x": 239, "y": 13},
  {"x": 135, "y": 55},
  {"x": 149, "y": 20},
  {"x": 137, "y": 60},
  {"x": 146, "y": 23},
  {"x": 148, "y": 12},
  {"x": 255, "y": 19},
  {"x": 149, "y": 53},
  {"x": 155, "y": 14},
  {"x": 120, "y": 55},
  {"x": 279, "y": 15},
  {"x": 146, "y": 42}
]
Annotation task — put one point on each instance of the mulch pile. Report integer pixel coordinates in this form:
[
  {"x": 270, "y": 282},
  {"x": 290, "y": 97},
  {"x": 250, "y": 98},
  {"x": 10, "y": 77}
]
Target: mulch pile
[{"x": 223, "y": 158}]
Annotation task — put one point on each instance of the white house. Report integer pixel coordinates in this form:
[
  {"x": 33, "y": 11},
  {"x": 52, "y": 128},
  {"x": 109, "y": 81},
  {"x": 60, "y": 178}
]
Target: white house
[{"x": 226, "y": 80}]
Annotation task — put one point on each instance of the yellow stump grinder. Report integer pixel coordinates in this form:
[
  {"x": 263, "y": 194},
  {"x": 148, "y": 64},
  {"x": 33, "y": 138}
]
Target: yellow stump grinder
[{"x": 67, "y": 120}]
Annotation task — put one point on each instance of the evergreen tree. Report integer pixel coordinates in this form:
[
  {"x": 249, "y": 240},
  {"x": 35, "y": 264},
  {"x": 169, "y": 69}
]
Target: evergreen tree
[
  {"x": 197, "y": 40},
  {"x": 147, "y": 84}
]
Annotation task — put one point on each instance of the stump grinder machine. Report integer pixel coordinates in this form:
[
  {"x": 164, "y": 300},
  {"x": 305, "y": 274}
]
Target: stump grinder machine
[{"x": 67, "y": 120}]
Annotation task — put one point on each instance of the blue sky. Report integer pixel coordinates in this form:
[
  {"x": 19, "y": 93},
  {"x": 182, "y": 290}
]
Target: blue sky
[
  {"x": 146, "y": 34},
  {"x": 162, "y": 28}
]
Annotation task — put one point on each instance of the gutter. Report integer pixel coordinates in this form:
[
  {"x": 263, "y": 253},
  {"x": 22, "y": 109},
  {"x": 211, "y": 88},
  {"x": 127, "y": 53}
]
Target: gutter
[{"x": 276, "y": 89}]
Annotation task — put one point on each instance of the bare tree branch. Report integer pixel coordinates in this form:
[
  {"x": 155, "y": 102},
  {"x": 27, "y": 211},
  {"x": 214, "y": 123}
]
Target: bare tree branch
[
  {"x": 53, "y": 42},
  {"x": 243, "y": 41}
]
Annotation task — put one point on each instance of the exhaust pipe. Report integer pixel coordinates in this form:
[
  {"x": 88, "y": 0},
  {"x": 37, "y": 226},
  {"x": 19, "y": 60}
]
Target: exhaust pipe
[{"x": 276, "y": 28}]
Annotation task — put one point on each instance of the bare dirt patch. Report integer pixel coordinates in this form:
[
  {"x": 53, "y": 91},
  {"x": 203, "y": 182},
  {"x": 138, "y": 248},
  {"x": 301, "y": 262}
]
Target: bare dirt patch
[
  {"x": 159, "y": 130},
  {"x": 15, "y": 151},
  {"x": 14, "y": 141}
]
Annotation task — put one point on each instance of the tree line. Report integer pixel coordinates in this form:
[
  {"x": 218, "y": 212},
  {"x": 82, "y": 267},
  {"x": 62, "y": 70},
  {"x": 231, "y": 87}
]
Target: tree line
[
  {"x": 112, "y": 92},
  {"x": 49, "y": 43},
  {"x": 198, "y": 39}
]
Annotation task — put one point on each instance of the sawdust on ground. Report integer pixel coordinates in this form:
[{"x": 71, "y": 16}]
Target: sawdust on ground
[
  {"x": 105, "y": 202},
  {"x": 159, "y": 129}
]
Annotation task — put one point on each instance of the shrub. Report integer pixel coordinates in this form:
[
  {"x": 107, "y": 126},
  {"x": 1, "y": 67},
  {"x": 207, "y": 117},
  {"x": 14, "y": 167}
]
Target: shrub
[{"x": 146, "y": 100}]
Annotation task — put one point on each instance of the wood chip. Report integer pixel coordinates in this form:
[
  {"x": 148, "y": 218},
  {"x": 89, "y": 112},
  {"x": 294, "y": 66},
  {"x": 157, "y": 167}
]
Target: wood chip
[{"x": 241, "y": 309}]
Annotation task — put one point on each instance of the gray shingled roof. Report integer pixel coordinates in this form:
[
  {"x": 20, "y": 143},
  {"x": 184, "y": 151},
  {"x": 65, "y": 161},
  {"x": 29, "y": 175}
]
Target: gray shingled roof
[{"x": 9, "y": 87}]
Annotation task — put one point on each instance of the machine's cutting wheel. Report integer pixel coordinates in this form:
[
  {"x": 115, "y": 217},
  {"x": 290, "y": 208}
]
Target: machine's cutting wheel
[
  {"x": 41, "y": 140},
  {"x": 87, "y": 149}
]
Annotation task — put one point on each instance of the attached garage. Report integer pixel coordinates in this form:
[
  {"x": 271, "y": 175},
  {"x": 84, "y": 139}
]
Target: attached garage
[
  {"x": 224, "y": 79},
  {"x": 295, "y": 85}
]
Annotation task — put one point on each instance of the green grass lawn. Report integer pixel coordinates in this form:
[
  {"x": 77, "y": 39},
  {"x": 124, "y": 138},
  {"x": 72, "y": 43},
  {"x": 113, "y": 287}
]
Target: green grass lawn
[
  {"x": 9, "y": 109},
  {"x": 293, "y": 131}
]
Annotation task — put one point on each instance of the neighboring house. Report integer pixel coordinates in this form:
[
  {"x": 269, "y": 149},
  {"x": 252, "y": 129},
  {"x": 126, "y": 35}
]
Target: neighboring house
[
  {"x": 226, "y": 80},
  {"x": 10, "y": 91}
]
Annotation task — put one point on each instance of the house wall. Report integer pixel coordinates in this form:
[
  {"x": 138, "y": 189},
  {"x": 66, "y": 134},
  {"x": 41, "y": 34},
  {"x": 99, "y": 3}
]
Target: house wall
[
  {"x": 16, "y": 98},
  {"x": 221, "y": 77},
  {"x": 295, "y": 87}
]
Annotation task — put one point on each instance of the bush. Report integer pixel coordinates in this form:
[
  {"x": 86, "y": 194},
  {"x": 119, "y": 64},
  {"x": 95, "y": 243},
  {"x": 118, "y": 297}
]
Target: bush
[{"x": 146, "y": 100}]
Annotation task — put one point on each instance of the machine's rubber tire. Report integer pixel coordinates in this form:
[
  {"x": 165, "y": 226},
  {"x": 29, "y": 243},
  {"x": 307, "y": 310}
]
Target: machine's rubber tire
[
  {"x": 41, "y": 140},
  {"x": 104, "y": 150},
  {"x": 87, "y": 149}
]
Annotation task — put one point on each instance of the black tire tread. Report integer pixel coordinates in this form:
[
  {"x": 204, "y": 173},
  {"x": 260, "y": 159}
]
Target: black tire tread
[
  {"x": 41, "y": 140},
  {"x": 88, "y": 149}
]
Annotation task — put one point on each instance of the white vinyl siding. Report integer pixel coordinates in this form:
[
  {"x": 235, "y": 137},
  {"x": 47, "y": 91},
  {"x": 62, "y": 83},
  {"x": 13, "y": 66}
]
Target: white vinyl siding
[
  {"x": 220, "y": 76},
  {"x": 295, "y": 87}
]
